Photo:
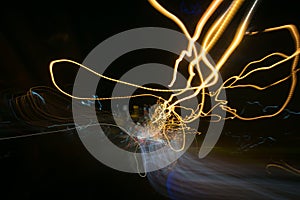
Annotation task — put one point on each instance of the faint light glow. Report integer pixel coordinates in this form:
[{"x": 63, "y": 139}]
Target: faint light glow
[{"x": 190, "y": 8}]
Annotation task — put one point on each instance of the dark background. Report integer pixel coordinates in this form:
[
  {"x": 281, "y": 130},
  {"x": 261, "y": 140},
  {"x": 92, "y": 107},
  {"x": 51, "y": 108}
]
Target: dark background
[{"x": 57, "y": 165}]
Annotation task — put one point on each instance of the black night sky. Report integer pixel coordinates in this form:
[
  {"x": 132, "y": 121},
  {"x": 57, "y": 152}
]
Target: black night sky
[{"x": 57, "y": 166}]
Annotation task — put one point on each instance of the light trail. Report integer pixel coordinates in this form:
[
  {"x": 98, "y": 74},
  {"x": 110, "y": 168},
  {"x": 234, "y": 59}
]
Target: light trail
[
  {"x": 165, "y": 118},
  {"x": 283, "y": 166}
]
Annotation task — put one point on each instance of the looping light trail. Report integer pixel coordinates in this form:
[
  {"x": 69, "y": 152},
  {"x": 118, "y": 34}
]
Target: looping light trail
[{"x": 165, "y": 118}]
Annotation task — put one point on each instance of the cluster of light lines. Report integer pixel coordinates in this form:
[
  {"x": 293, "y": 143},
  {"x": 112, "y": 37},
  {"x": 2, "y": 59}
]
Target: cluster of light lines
[{"x": 165, "y": 119}]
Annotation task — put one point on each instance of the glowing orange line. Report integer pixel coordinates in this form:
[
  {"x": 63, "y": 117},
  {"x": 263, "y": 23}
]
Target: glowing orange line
[{"x": 165, "y": 110}]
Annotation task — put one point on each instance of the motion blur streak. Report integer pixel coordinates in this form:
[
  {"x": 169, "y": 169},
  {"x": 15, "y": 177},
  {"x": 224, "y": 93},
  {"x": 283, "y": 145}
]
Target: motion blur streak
[{"x": 218, "y": 178}]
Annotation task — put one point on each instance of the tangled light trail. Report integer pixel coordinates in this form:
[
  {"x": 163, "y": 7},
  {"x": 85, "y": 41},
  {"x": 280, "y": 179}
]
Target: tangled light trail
[{"x": 165, "y": 118}]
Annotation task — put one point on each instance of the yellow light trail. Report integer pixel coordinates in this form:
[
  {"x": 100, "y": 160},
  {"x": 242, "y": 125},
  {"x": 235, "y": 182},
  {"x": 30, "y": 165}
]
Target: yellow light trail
[
  {"x": 284, "y": 166},
  {"x": 165, "y": 118}
]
